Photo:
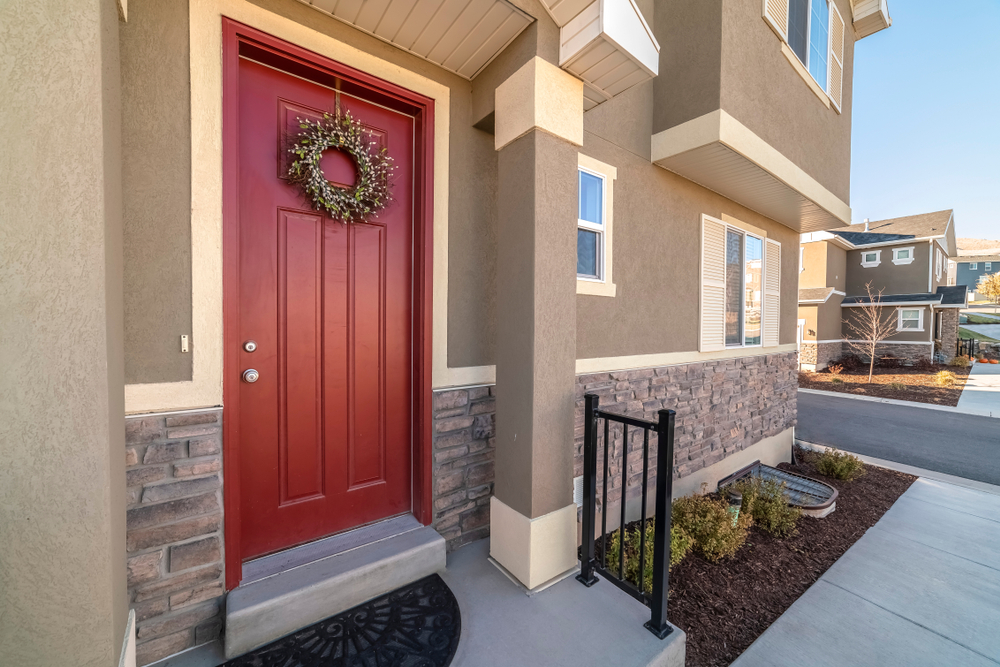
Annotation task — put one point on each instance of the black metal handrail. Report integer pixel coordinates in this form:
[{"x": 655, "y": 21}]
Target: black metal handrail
[
  {"x": 589, "y": 564},
  {"x": 968, "y": 346}
]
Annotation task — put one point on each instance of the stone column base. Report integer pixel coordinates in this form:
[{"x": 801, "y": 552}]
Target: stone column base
[{"x": 534, "y": 551}]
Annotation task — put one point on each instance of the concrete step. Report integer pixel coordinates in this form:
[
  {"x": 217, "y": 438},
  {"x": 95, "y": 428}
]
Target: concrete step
[{"x": 260, "y": 612}]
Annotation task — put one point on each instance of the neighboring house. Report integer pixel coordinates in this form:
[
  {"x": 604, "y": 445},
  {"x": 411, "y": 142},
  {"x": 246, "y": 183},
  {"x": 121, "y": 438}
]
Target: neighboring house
[
  {"x": 287, "y": 376},
  {"x": 906, "y": 259},
  {"x": 972, "y": 267}
]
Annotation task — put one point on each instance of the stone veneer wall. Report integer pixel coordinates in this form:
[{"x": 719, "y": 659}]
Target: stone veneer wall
[
  {"x": 820, "y": 355},
  {"x": 908, "y": 354},
  {"x": 174, "y": 530},
  {"x": 722, "y": 407},
  {"x": 464, "y": 444},
  {"x": 949, "y": 332}
]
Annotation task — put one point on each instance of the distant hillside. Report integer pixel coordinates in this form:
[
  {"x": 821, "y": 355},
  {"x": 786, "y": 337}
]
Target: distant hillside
[{"x": 977, "y": 244}]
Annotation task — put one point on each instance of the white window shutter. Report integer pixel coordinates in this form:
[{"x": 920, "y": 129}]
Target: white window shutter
[
  {"x": 772, "y": 293},
  {"x": 713, "y": 286},
  {"x": 835, "y": 82},
  {"x": 776, "y": 15}
]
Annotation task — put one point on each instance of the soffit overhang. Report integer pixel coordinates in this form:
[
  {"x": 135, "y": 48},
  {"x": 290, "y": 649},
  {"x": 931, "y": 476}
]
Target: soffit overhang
[
  {"x": 461, "y": 36},
  {"x": 720, "y": 153},
  {"x": 869, "y": 17}
]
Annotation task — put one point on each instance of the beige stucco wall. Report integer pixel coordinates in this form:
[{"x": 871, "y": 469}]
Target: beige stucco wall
[
  {"x": 814, "y": 270},
  {"x": 62, "y": 482},
  {"x": 836, "y": 267},
  {"x": 156, "y": 179},
  {"x": 853, "y": 314},
  {"x": 762, "y": 90},
  {"x": 909, "y": 278},
  {"x": 809, "y": 313}
]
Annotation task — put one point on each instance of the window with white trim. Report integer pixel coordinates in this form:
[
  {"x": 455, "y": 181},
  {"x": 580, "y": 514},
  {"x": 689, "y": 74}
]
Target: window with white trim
[
  {"x": 814, "y": 32},
  {"x": 871, "y": 258},
  {"x": 939, "y": 261},
  {"x": 740, "y": 287},
  {"x": 988, "y": 266},
  {"x": 973, "y": 266},
  {"x": 911, "y": 319},
  {"x": 595, "y": 217},
  {"x": 902, "y": 255}
]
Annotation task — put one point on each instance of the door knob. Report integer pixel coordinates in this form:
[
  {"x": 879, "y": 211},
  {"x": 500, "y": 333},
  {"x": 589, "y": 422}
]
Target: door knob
[{"x": 250, "y": 375}]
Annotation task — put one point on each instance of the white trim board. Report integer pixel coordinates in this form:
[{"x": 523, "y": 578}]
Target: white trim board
[{"x": 633, "y": 362}]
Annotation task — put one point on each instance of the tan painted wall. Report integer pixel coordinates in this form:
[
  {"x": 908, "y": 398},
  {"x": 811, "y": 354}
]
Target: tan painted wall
[
  {"x": 156, "y": 179},
  {"x": 657, "y": 232},
  {"x": 830, "y": 316},
  {"x": 62, "y": 483},
  {"x": 893, "y": 278},
  {"x": 852, "y": 314},
  {"x": 762, "y": 90},
  {"x": 814, "y": 273},
  {"x": 810, "y": 314},
  {"x": 836, "y": 267}
]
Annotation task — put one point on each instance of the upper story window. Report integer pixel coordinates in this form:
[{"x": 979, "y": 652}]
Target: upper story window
[
  {"x": 911, "y": 319},
  {"x": 939, "y": 263},
  {"x": 871, "y": 258},
  {"x": 902, "y": 255},
  {"x": 814, "y": 34},
  {"x": 973, "y": 266},
  {"x": 809, "y": 35},
  {"x": 988, "y": 266},
  {"x": 594, "y": 227}
]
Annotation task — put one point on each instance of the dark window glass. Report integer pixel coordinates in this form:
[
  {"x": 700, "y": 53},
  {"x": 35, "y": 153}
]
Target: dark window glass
[
  {"x": 798, "y": 28},
  {"x": 586, "y": 253},
  {"x": 734, "y": 288}
]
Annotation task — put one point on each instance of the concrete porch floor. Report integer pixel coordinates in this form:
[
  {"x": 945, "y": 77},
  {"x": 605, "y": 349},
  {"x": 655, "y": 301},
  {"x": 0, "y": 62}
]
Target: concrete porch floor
[{"x": 566, "y": 624}]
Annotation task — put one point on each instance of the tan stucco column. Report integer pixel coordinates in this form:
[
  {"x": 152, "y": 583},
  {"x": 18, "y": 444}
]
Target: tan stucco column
[
  {"x": 63, "y": 598},
  {"x": 539, "y": 127}
]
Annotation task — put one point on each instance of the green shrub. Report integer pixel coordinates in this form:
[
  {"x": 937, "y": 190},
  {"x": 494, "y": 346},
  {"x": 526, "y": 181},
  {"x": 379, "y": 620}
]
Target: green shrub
[
  {"x": 898, "y": 386},
  {"x": 836, "y": 381},
  {"x": 708, "y": 522},
  {"x": 680, "y": 545},
  {"x": 766, "y": 502},
  {"x": 945, "y": 378},
  {"x": 839, "y": 465}
]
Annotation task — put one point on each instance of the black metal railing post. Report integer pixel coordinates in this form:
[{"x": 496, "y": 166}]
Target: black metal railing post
[
  {"x": 586, "y": 576},
  {"x": 658, "y": 624}
]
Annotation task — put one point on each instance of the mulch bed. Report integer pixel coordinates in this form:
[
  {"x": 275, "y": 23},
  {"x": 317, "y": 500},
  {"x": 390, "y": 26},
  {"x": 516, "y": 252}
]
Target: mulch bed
[
  {"x": 723, "y": 607},
  {"x": 919, "y": 384}
]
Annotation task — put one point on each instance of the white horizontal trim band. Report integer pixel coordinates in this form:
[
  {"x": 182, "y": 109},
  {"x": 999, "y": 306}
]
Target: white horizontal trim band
[{"x": 638, "y": 361}]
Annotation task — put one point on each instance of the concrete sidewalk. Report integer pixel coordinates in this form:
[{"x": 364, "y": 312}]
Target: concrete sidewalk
[
  {"x": 981, "y": 395},
  {"x": 921, "y": 587}
]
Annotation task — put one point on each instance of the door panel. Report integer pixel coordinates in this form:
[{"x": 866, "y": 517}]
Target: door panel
[{"x": 325, "y": 433}]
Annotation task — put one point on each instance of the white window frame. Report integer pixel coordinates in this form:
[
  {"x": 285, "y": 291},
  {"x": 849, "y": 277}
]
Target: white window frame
[
  {"x": 864, "y": 258},
  {"x": 906, "y": 260},
  {"x": 604, "y": 285},
  {"x": 987, "y": 266},
  {"x": 802, "y": 256},
  {"x": 939, "y": 263},
  {"x": 900, "y": 319},
  {"x": 822, "y": 92},
  {"x": 743, "y": 285},
  {"x": 973, "y": 266}
]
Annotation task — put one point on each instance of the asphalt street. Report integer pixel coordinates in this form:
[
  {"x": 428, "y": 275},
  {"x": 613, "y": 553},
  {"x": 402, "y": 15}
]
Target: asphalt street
[{"x": 948, "y": 442}]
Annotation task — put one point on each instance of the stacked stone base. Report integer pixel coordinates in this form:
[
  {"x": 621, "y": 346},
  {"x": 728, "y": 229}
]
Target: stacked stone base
[
  {"x": 907, "y": 354},
  {"x": 817, "y": 356},
  {"x": 948, "y": 343}
]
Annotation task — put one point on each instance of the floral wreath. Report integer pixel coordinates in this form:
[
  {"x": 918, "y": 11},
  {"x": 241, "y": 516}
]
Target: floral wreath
[{"x": 339, "y": 131}]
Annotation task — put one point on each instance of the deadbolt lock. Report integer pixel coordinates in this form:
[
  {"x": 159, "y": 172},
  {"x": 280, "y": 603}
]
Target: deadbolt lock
[{"x": 250, "y": 346}]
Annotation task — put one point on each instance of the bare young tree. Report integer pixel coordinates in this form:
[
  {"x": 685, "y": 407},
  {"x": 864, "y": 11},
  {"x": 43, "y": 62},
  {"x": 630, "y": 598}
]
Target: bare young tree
[{"x": 869, "y": 325}]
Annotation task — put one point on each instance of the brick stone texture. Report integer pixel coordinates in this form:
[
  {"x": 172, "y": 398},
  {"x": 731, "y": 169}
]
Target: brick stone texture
[
  {"x": 174, "y": 530},
  {"x": 949, "y": 333},
  {"x": 722, "y": 407},
  {"x": 464, "y": 443},
  {"x": 820, "y": 354}
]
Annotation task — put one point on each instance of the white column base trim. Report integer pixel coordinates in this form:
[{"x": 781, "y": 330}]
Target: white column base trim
[{"x": 533, "y": 550}]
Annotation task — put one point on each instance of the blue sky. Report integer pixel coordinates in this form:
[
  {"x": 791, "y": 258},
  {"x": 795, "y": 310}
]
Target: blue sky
[{"x": 927, "y": 115}]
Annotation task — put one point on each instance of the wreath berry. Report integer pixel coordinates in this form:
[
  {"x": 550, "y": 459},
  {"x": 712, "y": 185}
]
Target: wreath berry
[{"x": 340, "y": 131}]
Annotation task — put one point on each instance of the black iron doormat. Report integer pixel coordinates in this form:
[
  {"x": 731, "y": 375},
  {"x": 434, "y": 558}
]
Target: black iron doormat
[{"x": 417, "y": 625}]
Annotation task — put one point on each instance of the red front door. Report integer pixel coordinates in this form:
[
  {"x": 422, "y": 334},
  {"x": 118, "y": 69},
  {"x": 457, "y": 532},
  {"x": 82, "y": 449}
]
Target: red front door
[{"x": 325, "y": 432}]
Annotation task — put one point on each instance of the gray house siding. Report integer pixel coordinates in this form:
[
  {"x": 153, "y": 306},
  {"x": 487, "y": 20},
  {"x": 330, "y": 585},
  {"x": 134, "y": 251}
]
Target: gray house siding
[{"x": 970, "y": 277}]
